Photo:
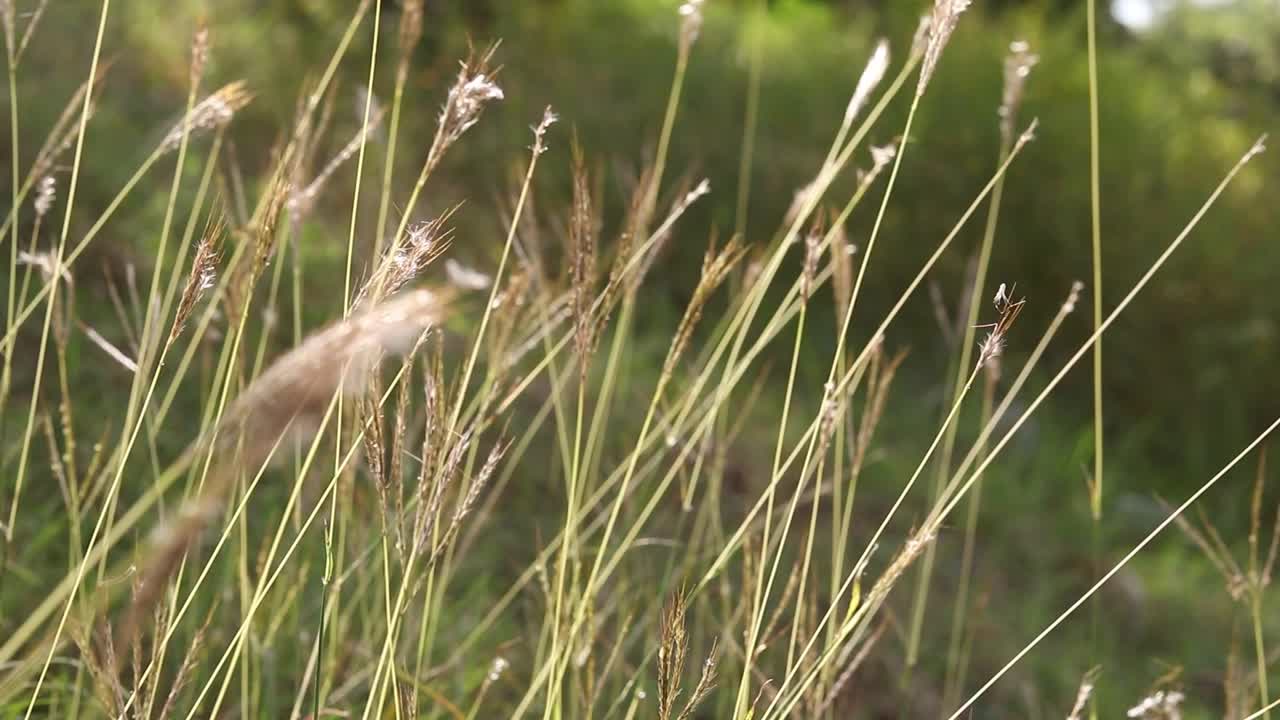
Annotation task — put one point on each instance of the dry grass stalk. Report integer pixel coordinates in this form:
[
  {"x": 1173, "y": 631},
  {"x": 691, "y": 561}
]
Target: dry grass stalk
[
  {"x": 212, "y": 113},
  {"x": 291, "y": 396}
]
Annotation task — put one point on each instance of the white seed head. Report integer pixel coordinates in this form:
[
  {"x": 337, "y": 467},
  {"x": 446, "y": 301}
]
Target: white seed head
[
  {"x": 871, "y": 76},
  {"x": 46, "y": 193},
  {"x": 690, "y": 22}
]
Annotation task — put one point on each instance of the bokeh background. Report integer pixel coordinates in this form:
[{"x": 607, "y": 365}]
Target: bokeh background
[{"x": 1190, "y": 369}]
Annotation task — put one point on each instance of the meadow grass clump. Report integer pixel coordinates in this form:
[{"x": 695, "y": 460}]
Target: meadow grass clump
[{"x": 465, "y": 494}]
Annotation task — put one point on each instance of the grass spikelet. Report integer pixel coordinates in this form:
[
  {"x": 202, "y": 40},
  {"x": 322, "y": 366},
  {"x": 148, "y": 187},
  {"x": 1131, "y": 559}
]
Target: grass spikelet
[{"x": 204, "y": 268}]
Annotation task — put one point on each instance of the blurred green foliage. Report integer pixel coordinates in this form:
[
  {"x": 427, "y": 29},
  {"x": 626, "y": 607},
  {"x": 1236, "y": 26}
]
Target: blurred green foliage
[{"x": 1173, "y": 120}]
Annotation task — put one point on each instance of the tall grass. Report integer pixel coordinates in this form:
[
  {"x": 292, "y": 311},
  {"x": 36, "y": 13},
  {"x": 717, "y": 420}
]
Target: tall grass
[{"x": 468, "y": 497}]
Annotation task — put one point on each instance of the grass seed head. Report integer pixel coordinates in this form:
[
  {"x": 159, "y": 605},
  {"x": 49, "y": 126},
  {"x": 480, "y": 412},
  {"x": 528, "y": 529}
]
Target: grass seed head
[
  {"x": 942, "y": 23},
  {"x": 214, "y": 112},
  {"x": 872, "y": 74}
]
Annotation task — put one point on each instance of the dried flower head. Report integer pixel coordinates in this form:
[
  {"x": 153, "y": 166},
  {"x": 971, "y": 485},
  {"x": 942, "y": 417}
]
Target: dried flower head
[
  {"x": 1017, "y": 67},
  {"x": 214, "y": 112},
  {"x": 942, "y": 23}
]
